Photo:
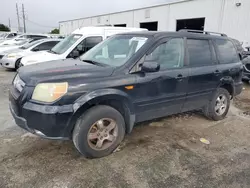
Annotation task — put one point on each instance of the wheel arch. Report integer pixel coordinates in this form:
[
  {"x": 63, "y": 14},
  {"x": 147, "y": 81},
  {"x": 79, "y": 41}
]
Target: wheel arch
[
  {"x": 110, "y": 97},
  {"x": 228, "y": 84}
]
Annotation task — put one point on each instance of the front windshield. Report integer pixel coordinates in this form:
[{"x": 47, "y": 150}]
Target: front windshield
[
  {"x": 115, "y": 51},
  {"x": 65, "y": 44},
  {"x": 28, "y": 45}
]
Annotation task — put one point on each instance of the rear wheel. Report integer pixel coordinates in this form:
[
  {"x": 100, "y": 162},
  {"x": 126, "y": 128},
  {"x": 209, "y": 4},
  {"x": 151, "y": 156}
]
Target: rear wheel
[
  {"x": 99, "y": 131},
  {"x": 218, "y": 107}
]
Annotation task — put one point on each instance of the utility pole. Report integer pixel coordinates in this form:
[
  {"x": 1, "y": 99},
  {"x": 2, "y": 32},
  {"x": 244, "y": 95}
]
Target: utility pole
[
  {"x": 24, "y": 26},
  {"x": 18, "y": 21},
  {"x": 9, "y": 24}
]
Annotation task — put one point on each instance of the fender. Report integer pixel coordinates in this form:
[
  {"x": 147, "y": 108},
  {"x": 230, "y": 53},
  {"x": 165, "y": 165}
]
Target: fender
[
  {"x": 109, "y": 94},
  {"x": 229, "y": 81}
]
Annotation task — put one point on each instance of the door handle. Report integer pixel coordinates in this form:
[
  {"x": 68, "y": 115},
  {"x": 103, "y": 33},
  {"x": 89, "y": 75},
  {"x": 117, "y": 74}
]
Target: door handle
[
  {"x": 179, "y": 77},
  {"x": 217, "y": 72}
]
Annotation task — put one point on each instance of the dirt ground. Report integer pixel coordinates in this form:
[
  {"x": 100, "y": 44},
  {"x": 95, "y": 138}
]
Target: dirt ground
[{"x": 162, "y": 153}]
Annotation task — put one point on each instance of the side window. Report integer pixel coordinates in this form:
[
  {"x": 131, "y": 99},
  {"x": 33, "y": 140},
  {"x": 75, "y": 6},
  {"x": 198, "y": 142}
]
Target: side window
[
  {"x": 226, "y": 51},
  {"x": 199, "y": 52},
  {"x": 87, "y": 44},
  {"x": 90, "y": 42},
  {"x": 169, "y": 55},
  {"x": 45, "y": 46}
]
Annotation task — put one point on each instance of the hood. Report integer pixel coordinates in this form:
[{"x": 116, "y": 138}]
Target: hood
[
  {"x": 61, "y": 70},
  {"x": 5, "y": 48},
  {"x": 39, "y": 57},
  {"x": 12, "y": 51}
]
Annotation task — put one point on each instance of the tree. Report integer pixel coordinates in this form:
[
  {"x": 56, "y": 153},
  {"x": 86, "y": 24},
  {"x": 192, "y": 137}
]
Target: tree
[
  {"x": 4, "y": 28},
  {"x": 54, "y": 31}
]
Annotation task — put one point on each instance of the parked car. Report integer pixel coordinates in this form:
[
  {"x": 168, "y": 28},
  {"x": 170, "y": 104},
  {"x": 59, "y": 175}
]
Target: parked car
[
  {"x": 21, "y": 38},
  {"x": 7, "y": 35},
  {"x": 11, "y": 58},
  {"x": 126, "y": 79},
  {"x": 246, "y": 72},
  {"x": 80, "y": 41}
]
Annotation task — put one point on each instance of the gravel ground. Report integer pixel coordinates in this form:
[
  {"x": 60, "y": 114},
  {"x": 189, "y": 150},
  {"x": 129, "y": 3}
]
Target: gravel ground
[{"x": 162, "y": 153}]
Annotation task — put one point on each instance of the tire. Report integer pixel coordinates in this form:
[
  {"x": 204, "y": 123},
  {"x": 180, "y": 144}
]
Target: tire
[
  {"x": 210, "y": 110},
  {"x": 18, "y": 61},
  {"x": 88, "y": 121}
]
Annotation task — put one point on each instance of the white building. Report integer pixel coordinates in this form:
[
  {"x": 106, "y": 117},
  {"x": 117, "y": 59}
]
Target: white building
[{"x": 226, "y": 16}]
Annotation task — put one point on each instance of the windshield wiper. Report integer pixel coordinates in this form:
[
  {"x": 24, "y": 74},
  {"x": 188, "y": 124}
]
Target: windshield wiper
[{"x": 94, "y": 62}]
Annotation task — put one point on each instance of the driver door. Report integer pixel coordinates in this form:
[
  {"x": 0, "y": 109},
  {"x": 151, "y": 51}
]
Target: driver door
[{"x": 164, "y": 92}]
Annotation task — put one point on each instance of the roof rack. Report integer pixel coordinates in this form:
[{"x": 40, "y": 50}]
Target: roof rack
[{"x": 202, "y": 32}]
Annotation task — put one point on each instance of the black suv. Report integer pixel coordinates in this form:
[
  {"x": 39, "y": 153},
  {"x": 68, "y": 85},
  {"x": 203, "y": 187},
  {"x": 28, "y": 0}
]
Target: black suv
[{"x": 126, "y": 79}]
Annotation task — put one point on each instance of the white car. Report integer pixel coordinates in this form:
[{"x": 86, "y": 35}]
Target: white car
[
  {"x": 14, "y": 46},
  {"x": 80, "y": 41},
  {"x": 20, "y": 38},
  {"x": 11, "y": 58}
]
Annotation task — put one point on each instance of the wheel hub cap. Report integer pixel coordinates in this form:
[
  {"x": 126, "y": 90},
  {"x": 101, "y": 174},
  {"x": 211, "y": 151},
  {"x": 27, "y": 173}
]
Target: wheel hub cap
[
  {"x": 102, "y": 134},
  {"x": 221, "y": 105}
]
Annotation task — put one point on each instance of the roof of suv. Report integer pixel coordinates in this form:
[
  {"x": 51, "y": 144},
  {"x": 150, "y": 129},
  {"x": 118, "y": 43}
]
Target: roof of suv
[{"x": 173, "y": 34}]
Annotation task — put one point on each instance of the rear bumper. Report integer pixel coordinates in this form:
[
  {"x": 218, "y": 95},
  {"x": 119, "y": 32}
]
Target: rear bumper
[
  {"x": 49, "y": 122},
  {"x": 246, "y": 76}
]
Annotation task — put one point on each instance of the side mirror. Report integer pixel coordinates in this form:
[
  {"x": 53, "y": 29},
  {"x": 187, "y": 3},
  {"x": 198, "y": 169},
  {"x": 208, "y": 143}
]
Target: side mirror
[
  {"x": 150, "y": 66},
  {"x": 75, "y": 54}
]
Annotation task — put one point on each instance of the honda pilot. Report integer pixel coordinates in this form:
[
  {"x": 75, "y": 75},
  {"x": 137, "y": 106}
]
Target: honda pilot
[{"x": 128, "y": 78}]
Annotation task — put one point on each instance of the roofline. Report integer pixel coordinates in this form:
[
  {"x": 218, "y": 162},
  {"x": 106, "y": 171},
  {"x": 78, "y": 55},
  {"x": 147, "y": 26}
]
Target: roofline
[{"x": 158, "y": 5}]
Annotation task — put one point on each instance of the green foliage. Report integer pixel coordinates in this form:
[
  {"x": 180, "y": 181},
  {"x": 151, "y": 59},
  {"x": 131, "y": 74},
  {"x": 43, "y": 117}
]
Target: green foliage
[
  {"x": 4, "y": 28},
  {"x": 55, "y": 31}
]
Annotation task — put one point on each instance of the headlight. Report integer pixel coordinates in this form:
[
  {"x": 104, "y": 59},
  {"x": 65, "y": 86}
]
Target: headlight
[
  {"x": 18, "y": 83},
  {"x": 11, "y": 55},
  {"x": 50, "y": 92}
]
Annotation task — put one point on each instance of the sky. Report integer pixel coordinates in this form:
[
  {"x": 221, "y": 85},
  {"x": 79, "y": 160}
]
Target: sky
[{"x": 44, "y": 15}]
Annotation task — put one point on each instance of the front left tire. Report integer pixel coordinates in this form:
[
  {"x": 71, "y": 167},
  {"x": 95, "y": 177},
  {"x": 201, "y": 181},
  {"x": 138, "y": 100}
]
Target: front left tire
[{"x": 99, "y": 131}]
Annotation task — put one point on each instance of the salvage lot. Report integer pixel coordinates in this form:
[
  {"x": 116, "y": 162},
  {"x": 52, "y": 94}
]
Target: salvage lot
[{"x": 162, "y": 153}]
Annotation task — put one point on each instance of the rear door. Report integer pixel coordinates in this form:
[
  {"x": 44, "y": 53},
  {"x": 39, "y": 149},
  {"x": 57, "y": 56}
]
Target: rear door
[
  {"x": 203, "y": 73},
  {"x": 230, "y": 65}
]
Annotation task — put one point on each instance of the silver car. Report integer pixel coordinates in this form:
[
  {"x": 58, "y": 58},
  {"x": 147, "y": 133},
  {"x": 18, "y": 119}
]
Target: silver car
[{"x": 10, "y": 59}]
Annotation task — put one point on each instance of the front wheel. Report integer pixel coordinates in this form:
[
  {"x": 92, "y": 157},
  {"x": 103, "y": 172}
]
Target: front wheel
[
  {"x": 18, "y": 64},
  {"x": 99, "y": 131},
  {"x": 218, "y": 107}
]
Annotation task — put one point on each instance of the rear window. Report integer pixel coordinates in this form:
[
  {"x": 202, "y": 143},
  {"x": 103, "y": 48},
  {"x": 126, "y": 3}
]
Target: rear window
[
  {"x": 199, "y": 52},
  {"x": 226, "y": 51}
]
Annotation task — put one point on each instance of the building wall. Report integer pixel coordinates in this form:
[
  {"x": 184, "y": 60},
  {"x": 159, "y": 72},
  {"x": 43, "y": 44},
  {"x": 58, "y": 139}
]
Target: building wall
[{"x": 220, "y": 16}]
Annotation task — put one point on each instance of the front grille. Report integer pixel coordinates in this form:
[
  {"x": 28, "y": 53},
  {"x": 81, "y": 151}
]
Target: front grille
[{"x": 247, "y": 67}]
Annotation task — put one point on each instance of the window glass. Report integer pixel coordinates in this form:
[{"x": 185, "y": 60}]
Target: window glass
[
  {"x": 199, "y": 52},
  {"x": 90, "y": 42},
  {"x": 169, "y": 55},
  {"x": 46, "y": 45},
  {"x": 227, "y": 52},
  {"x": 28, "y": 45},
  {"x": 65, "y": 44},
  {"x": 116, "y": 50}
]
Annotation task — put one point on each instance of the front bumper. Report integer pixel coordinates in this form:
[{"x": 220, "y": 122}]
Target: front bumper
[
  {"x": 8, "y": 62},
  {"x": 46, "y": 121}
]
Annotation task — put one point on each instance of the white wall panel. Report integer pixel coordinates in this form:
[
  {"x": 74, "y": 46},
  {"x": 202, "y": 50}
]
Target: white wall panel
[
  {"x": 122, "y": 18},
  {"x": 159, "y": 14},
  {"x": 220, "y": 16}
]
